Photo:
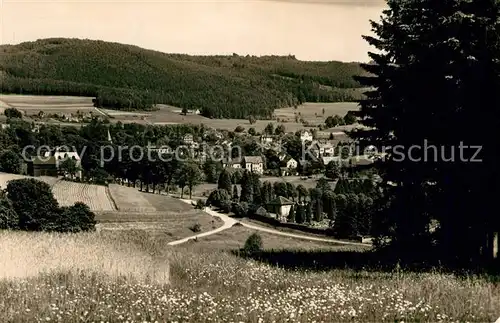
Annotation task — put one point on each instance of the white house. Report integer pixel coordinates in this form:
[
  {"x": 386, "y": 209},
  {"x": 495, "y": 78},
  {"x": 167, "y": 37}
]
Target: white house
[
  {"x": 306, "y": 135},
  {"x": 254, "y": 164},
  {"x": 60, "y": 156},
  {"x": 322, "y": 149},
  {"x": 266, "y": 139},
  {"x": 281, "y": 207},
  {"x": 291, "y": 163},
  {"x": 326, "y": 149}
]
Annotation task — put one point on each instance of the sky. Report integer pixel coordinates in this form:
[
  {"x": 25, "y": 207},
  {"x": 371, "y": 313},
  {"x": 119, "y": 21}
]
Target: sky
[{"x": 320, "y": 30}]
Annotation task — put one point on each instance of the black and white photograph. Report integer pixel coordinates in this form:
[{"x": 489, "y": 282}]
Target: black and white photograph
[{"x": 249, "y": 161}]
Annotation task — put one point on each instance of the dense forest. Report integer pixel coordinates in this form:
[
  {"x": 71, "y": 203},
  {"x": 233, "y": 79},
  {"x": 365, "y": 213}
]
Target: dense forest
[{"x": 131, "y": 78}]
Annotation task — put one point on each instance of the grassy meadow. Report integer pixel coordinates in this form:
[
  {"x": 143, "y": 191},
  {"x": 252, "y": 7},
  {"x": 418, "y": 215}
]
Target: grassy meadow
[{"x": 120, "y": 277}]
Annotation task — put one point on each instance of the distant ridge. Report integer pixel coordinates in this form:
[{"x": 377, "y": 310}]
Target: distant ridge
[{"x": 131, "y": 78}]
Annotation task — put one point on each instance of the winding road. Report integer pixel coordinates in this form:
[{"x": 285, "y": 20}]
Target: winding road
[{"x": 229, "y": 222}]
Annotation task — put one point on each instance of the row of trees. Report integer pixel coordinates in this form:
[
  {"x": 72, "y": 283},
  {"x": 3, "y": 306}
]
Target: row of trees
[{"x": 349, "y": 207}]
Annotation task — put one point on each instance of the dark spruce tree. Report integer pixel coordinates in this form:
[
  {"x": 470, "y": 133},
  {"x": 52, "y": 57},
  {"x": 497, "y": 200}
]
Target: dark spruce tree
[{"x": 433, "y": 81}]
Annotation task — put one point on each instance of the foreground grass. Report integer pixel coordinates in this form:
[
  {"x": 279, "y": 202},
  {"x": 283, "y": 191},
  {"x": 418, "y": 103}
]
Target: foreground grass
[{"x": 88, "y": 283}]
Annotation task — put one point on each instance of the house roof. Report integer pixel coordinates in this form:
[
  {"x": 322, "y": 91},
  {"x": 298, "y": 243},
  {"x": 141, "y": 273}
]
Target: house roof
[
  {"x": 253, "y": 159},
  {"x": 231, "y": 161},
  {"x": 280, "y": 200},
  {"x": 51, "y": 160},
  {"x": 63, "y": 154},
  {"x": 261, "y": 211}
]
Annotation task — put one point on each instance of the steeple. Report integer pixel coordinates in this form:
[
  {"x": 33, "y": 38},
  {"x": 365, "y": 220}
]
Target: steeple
[{"x": 109, "y": 137}]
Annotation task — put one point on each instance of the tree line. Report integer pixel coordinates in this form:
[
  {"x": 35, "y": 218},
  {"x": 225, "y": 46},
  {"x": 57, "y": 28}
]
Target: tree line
[{"x": 349, "y": 207}]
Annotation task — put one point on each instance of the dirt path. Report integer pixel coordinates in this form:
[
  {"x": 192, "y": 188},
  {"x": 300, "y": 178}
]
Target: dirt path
[{"x": 229, "y": 222}]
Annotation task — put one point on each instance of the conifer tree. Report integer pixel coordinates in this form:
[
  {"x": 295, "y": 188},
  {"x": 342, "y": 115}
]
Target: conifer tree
[{"x": 437, "y": 64}]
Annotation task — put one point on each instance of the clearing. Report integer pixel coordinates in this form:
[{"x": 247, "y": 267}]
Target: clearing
[
  {"x": 163, "y": 216},
  {"x": 32, "y": 104},
  {"x": 235, "y": 237},
  {"x": 168, "y": 115}
]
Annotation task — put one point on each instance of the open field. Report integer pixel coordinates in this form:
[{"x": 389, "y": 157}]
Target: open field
[
  {"x": 235, "y": 237},
  {"x": 162, "y": 216},
  {"x": 170, "y": 115},
  {"x": 95, "y": 196},
  {"x": 32, "y": 104},
  {"x": 165, "y": 115},
  {"x": 114, "y": 277},
  {"x": 313, "y": 112},
  {"x": 128, "y": 199},
  {"x": 27, "y": 255},
  {"x": 118, "y": 113},
  {"x": 6, "y": 177},
  {"x": 167, "y": 226}
]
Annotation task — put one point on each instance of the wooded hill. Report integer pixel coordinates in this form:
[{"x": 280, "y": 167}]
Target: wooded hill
[{"x": 131, "y": 78}]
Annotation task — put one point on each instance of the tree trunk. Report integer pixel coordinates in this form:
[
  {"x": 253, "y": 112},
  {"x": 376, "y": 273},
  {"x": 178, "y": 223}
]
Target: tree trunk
[{"x": 182, "y": 191}]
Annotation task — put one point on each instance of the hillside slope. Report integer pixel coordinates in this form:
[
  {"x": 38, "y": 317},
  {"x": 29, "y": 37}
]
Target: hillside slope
[{"x": 129, "y": 77}]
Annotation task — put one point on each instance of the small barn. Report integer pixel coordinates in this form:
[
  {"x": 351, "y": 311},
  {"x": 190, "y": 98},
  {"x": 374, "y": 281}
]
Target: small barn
[
  {"x": 42, "y": 166},
  {"x": 280, "y": 206}
]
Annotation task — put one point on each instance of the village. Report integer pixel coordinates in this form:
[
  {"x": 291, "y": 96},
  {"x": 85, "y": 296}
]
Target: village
[{"x": 289, "y": 165}]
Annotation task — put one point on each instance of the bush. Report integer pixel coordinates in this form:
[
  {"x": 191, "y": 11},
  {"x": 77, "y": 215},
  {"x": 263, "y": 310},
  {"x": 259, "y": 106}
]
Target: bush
[
  {"x": 38, "y": 210},
  {"x": 253, "y": 244},
  {"x": 195, "y": 228},
  {"x": 13, "y": 113},
  {"x": 75, "y": 218},
  {"x": 239, "y": 129},
  {"x": 200, "y": 205},
  {"x": 8, "y": 217},
  {"x": 217, "y": 198},
  {"x": 34, "y": 202},
  {"x": 226, "y": 206},
  {"x": 240, "y": 209}
]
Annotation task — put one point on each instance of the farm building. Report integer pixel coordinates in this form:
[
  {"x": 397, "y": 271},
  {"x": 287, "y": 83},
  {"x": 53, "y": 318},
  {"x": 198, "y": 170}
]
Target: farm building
[
  {"x": 288, "y": 165},
  {"x": 306, "y": 135},
  {"x": 39, "y": 166},
  {"x": 322, "y": 149},
  {"x": 254, "y": 164},
  {"x": 267, "y": 139},
  {"x": 232, "y": 162},
  {"x": 49, "y": 163},
  {"x": 281, "y": 207}
]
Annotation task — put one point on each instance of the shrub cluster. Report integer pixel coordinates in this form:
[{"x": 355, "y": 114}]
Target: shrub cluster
[{"x": 28, "y": 204}]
